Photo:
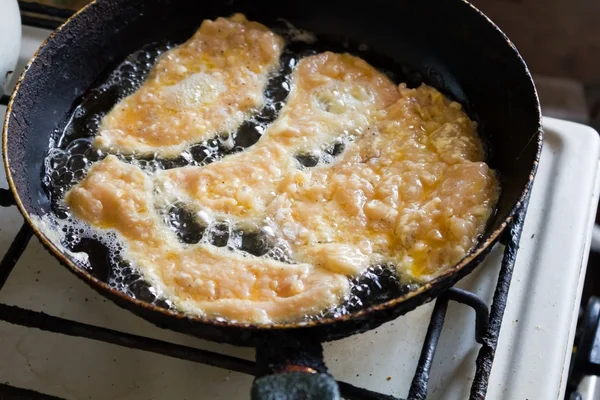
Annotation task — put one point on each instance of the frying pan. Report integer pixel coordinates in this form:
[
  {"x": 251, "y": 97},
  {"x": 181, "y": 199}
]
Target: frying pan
[{"x": 445, "y": 43}]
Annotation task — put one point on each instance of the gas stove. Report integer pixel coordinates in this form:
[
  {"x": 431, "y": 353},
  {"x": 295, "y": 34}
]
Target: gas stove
[{"x": 71, "y": 359}]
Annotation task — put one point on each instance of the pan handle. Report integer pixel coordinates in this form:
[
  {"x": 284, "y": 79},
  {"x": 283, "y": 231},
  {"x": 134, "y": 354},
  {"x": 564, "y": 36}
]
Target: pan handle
[{"x": 291, "y": 367}]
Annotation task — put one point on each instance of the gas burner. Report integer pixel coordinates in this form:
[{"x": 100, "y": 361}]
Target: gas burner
[{"x": 516, "y": 343}]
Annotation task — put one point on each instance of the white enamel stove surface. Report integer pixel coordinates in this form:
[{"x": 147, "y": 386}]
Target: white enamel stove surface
[
  {"x": 10, "y": 40},
  {"x": 533, "y": 352}
]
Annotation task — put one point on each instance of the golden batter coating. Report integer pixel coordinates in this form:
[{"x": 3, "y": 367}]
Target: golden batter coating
[
  {"x": 201, "y": 279},
  {"x": 411, "y": 189},
  {"x": 333, "y": 95},
  {"x": 206, "y": 86}
]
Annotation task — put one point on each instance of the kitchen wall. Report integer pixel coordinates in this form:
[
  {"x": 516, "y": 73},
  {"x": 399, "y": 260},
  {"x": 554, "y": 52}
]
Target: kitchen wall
[{"x": 556, "y": 37}]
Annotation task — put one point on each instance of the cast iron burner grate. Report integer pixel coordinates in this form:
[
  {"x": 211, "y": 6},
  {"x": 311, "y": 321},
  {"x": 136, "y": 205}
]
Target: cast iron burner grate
[{"x": 488, "y": 319}]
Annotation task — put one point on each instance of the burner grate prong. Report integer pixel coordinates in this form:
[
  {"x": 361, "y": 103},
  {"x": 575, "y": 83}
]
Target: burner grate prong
[
  {"x": 34, "y": 319},
  {"x": 16, "y": 249},
  {"x": 6, "y": 198},
  {"x": 485, "y": 358},
  {"x": 482, "y": 312},
  {"x": 420, "y": 382}
]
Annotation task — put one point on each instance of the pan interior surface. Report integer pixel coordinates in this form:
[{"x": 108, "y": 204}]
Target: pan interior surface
[{"x": 448, "y": 45}]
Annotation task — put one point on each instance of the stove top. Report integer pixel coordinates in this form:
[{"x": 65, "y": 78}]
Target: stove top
[{"x": 533, "y": 351}]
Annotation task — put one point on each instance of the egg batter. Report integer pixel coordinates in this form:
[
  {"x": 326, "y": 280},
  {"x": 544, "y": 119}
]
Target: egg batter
[
  {"x": 206, "y": 86},
  {"x": 410, "y": 188},
  {"x": 333, "y": 95},
  {"x": 201, "y": 279}
]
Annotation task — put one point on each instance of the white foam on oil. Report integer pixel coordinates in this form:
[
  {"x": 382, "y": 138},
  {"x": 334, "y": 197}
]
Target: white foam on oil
[
  {"x": 59, "y": 231},
  {"x": 51, "y": 228}
]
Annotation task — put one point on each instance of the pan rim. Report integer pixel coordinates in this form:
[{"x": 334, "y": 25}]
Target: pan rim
[{"x": 446, "y": 279}]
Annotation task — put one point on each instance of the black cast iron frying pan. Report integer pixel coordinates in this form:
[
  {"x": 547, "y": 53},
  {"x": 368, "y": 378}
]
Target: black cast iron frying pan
[{"x": 446, "y": 43}]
